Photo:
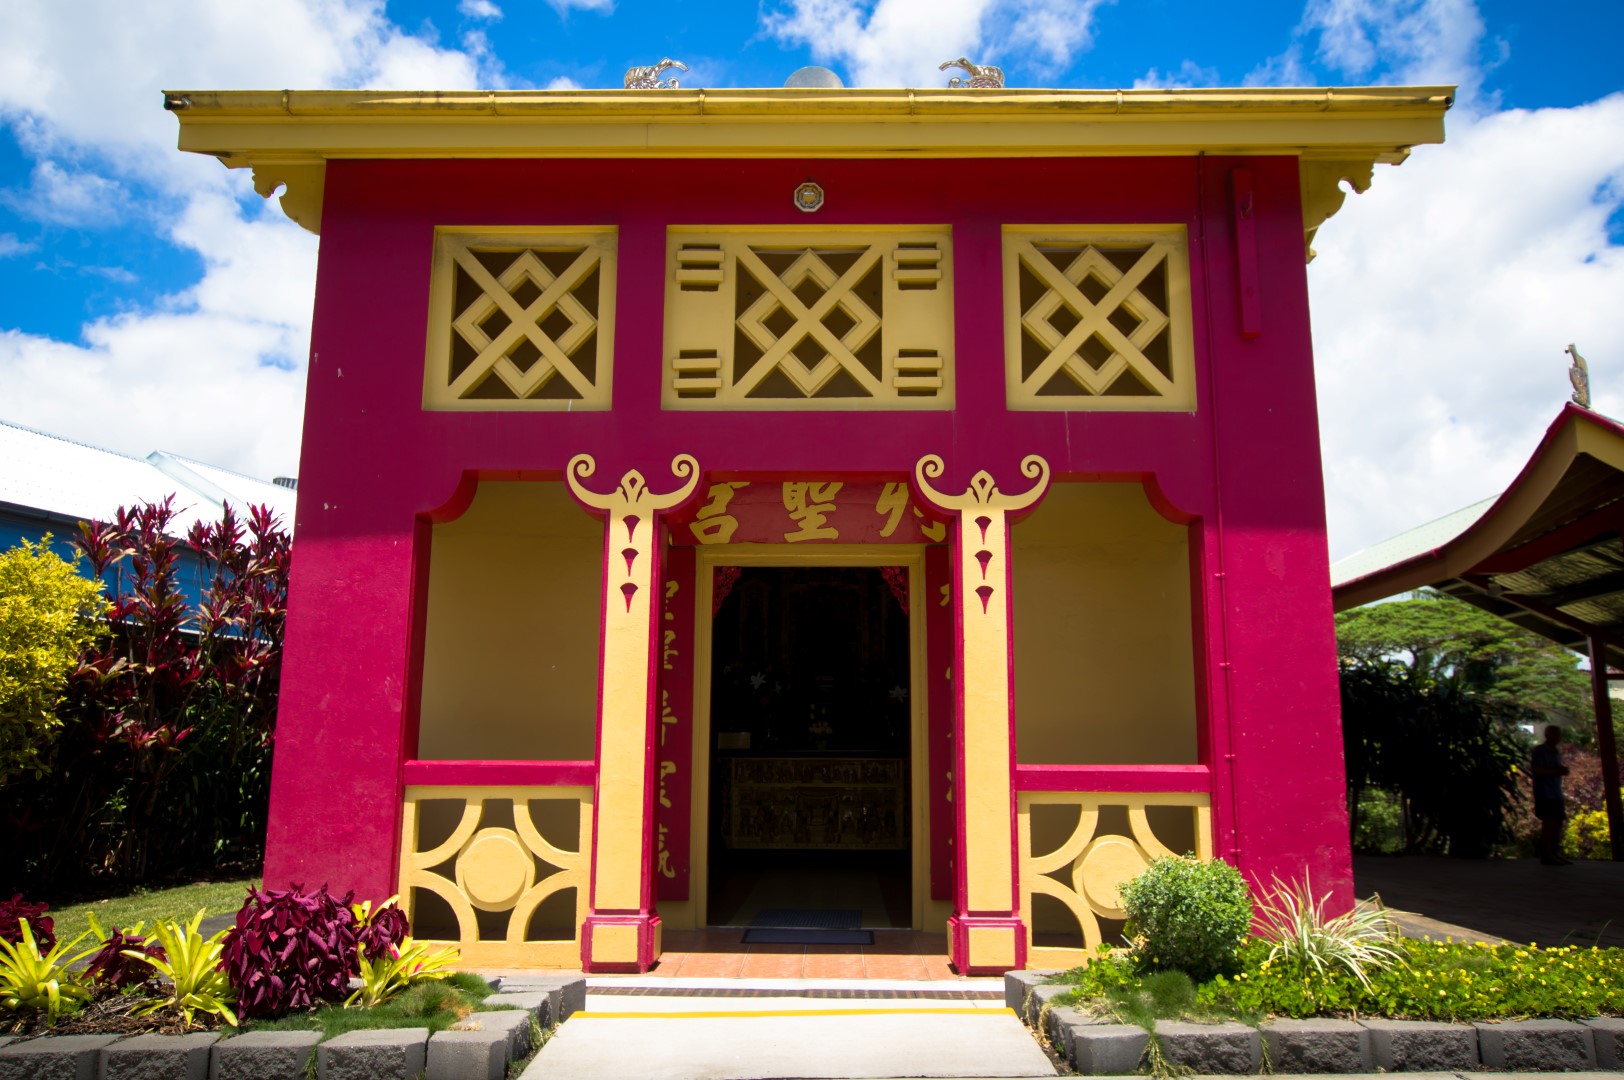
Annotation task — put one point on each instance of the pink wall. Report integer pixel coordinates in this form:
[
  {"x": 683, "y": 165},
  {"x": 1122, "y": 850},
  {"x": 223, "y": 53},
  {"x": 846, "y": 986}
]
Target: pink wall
[{"x": 1245, "y": 464}]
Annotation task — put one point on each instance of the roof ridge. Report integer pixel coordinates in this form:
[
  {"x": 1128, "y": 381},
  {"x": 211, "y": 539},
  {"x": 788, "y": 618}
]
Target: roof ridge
[
  {"x": 218, "y": 468},
  {"x": 71, "y": 442}
]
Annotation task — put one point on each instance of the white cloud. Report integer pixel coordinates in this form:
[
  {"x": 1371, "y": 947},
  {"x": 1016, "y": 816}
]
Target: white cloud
[
  {"x": 563, "y": 82},
  {"x": 215, "y": 372},
  {"x": 11, "y": 246},
  {"x": 1188, "y": 74},
  {"x": 58, "y": 196},
  {"x": 1416, "y": 42},
  {"x": 479, "y": 9},
  {"x": 902, "y": 42},
  {"x": 1442, "y": 300},
  {"x": 563, "y": 7}
]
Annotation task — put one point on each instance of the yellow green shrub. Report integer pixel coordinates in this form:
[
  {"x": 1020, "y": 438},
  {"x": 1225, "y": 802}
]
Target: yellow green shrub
[
  {"x": 47, "y": 617},
  {"x": 1587, "y": 836}
]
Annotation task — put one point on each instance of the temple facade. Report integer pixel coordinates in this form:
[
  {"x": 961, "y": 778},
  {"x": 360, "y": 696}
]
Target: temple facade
[{"x": 899, "y": 501}]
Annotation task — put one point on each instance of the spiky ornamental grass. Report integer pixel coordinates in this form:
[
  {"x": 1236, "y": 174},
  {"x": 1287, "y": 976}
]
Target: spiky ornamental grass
[{"x": 1294, "y": 921}]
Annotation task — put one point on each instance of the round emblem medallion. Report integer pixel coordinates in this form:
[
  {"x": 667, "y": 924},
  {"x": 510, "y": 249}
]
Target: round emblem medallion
[
  {"x": 808, "y": 197},
  {"x": 494, "y": 869}
]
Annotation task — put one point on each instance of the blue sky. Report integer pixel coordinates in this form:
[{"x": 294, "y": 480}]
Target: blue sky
[{"x": 149, "y": 300}]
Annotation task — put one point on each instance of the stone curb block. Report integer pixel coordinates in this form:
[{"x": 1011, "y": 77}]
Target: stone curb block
[
  {"x": 55, "y": 1057},
  {"x": 1107, "y": 1049},
  {"x": 1061, "y": 1025},
  {"x": 263, "y": 1055},
  {"x": 567, "y": 993},
  {"x": 1017, "y": 984},
  {"x": 1317, "y": 1046},
  {"x": 514, "y": 1024},
  {"x": 1536, "y": 1045},
  {"x": 536, "y": 1003},
  {"x": 1212, "y": 1048},
  {"x": 468, "y": 1055},
  {"x": 1607, "y": 1034},
  {"x": 159, "y": 1057},
  {"x": 1422, "y": 1045},
  {"x": 1037, "y": 999},
  {"x": 386, "y": 1054}
]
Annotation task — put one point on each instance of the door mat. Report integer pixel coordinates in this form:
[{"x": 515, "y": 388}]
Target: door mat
[
  {"x": 809, "y": 918},
  {"x": 768, "y": 935}
]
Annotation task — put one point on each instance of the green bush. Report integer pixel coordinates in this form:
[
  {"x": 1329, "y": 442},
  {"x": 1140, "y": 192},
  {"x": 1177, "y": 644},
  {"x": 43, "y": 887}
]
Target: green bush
[
  {"x": 1587, "y": 835},
  {"x": 1187, "y": 915},
  {"x": 1378, "y": 823},
  {"x": 46, "y": 618}
]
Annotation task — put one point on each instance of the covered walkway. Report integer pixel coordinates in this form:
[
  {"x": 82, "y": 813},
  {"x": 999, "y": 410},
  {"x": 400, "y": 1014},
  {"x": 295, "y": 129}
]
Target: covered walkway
[{"x": 1513, "y": 899}]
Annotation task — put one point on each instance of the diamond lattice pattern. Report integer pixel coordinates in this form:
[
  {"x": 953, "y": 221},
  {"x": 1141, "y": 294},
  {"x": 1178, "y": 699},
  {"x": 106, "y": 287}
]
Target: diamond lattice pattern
[
  {"x": 520, "y": 326},
  {"x": 1098, "y": 324},
  {"x": 794, "y": 319}
]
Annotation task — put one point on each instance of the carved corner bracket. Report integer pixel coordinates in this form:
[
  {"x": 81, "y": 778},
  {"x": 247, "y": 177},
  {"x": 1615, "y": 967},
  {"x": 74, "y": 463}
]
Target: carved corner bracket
[
  {"x": 1322, "y": 193},
  {"x": 303, "y": 182},
  {"x": 983, "y": 491}
]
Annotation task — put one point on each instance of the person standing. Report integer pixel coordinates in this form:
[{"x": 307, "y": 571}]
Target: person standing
[{"x": 1549, "y": 805}]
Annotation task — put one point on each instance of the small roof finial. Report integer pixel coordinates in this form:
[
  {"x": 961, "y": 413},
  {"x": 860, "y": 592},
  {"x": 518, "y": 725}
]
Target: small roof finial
[
  {"x": 648, "y": 78},
  {"x": 1579, "y": 376},
  {"x": 982, "y": 77}
]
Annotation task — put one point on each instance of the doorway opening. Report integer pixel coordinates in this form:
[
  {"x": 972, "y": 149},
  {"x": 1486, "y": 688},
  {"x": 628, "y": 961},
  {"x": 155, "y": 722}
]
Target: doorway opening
[{"x": 810, "y": 755}]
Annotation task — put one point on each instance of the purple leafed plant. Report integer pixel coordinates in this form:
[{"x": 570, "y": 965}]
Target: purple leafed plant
[
  {"x": 111, "y": 967},
  {"x": 43, "y": 927},
  {"x": 387, "y": 928},
  {"x": 290, "y": 949}
]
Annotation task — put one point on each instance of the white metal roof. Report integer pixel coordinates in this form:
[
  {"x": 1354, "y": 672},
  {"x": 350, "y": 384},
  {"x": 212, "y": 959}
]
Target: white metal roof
[
  {"x": 48, "y": 473},
  {"x": 1407, "y": 545}
]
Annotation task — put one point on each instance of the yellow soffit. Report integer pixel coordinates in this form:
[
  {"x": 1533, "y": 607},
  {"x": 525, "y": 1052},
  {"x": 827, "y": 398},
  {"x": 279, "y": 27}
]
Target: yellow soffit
[{"x": 287, "y": 136}]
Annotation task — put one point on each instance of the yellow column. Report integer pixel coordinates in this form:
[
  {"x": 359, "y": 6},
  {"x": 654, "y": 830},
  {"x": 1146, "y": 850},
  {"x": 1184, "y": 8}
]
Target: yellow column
[
  {"x": 621, "y": 933},
  {"x": 985, "y": 933}
]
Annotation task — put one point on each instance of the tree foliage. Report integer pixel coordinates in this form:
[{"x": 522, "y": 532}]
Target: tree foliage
[
  {"x": 162, "y": 765},
  {"x": 47, "y": 617},
  {"x": 1448, "y": 643}
]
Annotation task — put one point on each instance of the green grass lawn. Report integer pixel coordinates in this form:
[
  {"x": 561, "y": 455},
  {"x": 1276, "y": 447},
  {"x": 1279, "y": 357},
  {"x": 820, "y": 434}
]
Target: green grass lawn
[
  {"x": 433, "y": 1004},
  {"x": 148, "y": 905}
]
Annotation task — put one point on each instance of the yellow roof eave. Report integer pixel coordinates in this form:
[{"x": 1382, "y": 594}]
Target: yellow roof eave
[{"x": 293, "y": 133}]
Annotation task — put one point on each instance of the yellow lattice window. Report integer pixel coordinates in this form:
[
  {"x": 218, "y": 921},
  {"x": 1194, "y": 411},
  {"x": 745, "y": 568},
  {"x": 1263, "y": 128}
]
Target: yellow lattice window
[
  {"x": 500, "y": 872},
  {"x": 1098, "y": 318},
  {"x": 521, "y": 319},
  {"x": 809, "y": 319},
  {"x": 1076, "y": 850}
]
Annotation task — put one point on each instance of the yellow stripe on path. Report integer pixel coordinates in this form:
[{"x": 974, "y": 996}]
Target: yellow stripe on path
[{"x": 784, "y": 1012}]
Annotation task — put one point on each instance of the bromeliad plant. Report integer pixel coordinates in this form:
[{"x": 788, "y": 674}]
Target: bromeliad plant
[
  {"x": 197, "y": 982},
  {"x": 30, "y": 980},
  {"x": 399, "y": 967},
  {"x": 125, "y": 957}
]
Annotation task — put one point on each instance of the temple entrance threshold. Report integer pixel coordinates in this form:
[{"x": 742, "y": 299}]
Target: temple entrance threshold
[{"x": 811, "y": 834}]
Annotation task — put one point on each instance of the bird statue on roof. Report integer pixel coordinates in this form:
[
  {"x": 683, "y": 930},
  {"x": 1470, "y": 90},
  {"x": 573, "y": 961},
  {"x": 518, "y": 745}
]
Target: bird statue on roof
[
  {"x": 648, "y": 78},
  {"x": 981, "y": 77},
  {"x": 1579, "y": 376}
]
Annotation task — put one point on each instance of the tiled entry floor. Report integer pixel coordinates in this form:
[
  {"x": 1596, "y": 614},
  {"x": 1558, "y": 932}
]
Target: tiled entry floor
[{"x": 720, "y": 953}]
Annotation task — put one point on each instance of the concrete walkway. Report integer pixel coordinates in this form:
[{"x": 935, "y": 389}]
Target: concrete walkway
[
  {"x": 1516, "y": 900},
  {"x": 716, "y": 1029}
]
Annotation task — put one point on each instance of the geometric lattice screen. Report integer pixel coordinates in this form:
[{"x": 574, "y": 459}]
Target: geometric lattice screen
[
  {"x": 809, "y": 319},
  {"x": 499, "y": 871},
  {"x": 1098, "y": 319},
  {"x": 521, "y": 320},
  {"x": 1078, "y": 848}
]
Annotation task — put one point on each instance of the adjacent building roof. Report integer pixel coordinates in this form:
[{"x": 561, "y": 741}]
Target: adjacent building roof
[
  {"x": 1547, "y": 554},
  {"x": 47, "y": 476}
]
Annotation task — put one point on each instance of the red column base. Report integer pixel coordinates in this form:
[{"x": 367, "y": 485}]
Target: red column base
[
  {"x": 986, "y": 944},
  {"x": 619, "y": 944}
]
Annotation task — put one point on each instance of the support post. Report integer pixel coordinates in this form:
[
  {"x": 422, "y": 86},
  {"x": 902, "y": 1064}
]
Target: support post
[
  {"x": 621, "y": 932},
  {"x": 986, "y": 934},
  {"x": 1606, "y": 746}
]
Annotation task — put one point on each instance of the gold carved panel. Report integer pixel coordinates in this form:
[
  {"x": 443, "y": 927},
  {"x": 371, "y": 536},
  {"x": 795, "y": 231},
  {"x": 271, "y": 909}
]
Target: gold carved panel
[
  {"x": 1078, "y": 848},
  {"x": 1098, "y": 318},
  {"x": 521, "y": 319},
  {"x": 809, "y": 319},
  {"x": 499, "y": 872}
]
